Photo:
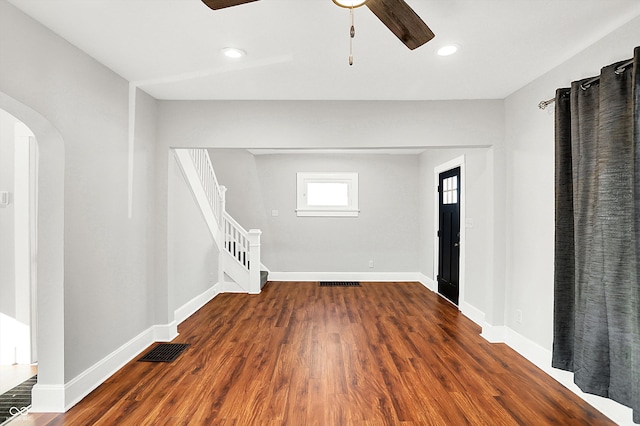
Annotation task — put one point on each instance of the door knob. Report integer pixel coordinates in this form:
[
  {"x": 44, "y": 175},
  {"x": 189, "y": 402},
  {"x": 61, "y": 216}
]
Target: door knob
[{"x": 456, "y": 244}]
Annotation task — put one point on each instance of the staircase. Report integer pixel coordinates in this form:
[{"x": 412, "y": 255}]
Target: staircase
[{"x": 239, "y": 249}]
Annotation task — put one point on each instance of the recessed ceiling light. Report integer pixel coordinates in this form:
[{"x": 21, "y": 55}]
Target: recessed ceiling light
[
  {"x": 448, "y": 50},
  {"x": 233, "y": 53}
]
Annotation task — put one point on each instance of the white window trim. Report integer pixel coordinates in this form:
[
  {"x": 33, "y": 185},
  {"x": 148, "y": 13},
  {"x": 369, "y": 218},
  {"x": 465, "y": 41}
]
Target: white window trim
[{"x": 303, "y": 209}]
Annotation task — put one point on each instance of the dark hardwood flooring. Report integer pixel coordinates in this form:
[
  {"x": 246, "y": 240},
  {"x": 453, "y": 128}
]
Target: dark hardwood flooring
[{"x": 300, "y": 354}]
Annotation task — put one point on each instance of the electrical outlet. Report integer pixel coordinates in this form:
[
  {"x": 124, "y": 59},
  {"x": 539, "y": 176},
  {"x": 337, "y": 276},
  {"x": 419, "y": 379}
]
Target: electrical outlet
[
  {"x": 519, "y": 316},
  {"x": 371, "y": 264}
]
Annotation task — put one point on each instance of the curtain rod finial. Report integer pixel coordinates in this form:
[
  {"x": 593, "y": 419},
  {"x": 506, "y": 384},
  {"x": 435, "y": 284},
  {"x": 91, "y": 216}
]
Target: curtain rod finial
[{"x": 545, "y": 104}]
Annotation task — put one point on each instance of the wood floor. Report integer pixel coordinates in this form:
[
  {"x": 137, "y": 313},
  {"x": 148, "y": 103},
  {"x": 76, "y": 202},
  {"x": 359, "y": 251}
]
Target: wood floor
[
  {"x": 300, "y": 354},
  {"x": 13, "y": 375}
]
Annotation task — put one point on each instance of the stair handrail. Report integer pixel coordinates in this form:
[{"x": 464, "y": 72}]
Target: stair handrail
[
  {"x": 244, "y": 248},
  {"x": 236, "y": 240},
  {"x": 204, "y": 168},
  {"x": 242, "y": 245}
]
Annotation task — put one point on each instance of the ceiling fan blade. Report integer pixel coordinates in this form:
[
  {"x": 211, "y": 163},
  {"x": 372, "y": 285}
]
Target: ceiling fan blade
[
  {"x": 402, "y": 21},
  {"x": 221, "y": 4}
]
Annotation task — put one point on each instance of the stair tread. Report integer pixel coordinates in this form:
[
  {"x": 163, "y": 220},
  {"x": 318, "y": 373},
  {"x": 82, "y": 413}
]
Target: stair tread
[{"x": 264, "y": 277}]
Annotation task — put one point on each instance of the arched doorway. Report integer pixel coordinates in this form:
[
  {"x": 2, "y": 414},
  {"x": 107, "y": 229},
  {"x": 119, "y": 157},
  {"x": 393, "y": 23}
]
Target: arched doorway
[
  {"x": 18, "y": 252},
  {"x": 48, "y": 394}
]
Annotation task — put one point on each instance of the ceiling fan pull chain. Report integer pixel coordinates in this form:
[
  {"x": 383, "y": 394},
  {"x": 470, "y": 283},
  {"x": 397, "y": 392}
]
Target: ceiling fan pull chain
[{"x": 352, "y": 33}]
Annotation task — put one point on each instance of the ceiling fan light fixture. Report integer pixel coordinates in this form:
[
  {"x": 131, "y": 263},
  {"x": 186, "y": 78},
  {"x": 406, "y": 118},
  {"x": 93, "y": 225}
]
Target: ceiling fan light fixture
[
  {"x": 233, "y": 53},
  {"x": 448, "y": 50},
  {"x": 350, "y": 4}
]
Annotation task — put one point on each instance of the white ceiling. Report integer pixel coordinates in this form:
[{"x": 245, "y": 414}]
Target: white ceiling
[{"x": 298, "y": 49}]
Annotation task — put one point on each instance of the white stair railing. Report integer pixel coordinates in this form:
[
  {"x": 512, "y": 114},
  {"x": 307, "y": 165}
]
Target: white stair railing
[
  {"x": 209, "y": 181},
  {"x": 241, "y": 245},
  {"x": 244, "y": 247},
  {"x": 236, "y": 241}
]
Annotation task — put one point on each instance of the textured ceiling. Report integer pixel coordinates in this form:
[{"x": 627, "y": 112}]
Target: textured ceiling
[{"x": 298, "y": 49}]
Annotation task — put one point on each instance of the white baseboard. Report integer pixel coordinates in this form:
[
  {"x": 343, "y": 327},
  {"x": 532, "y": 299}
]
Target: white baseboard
[
  {"x": 165, "y": 332},
  {"x": 468, "y": 310},
  {"x": 541, "y": 358},
  {"x": 618, "y": 413},
  {"x": 47, "y": 399},
  {"x": 58, "y": 398},
  {"x": 345, "y": 276},
  {"x": 231, "y": 287},
  {"x": 493, "y": 333},
  {"x": 428, "y": 282},
  {"x": 81, "y": 385},
  {"x": 189, "y": 308},
  {"x": 529, "y": 349},
  {"x": 473, "y": 313}
]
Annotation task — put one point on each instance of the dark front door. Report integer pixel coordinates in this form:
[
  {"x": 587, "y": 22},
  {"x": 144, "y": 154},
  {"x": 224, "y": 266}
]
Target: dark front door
[{"x": 449, "y": 234}]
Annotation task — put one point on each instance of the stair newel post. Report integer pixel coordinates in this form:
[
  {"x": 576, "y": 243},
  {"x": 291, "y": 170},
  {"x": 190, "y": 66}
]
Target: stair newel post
[{"x": 254, "y": 261}]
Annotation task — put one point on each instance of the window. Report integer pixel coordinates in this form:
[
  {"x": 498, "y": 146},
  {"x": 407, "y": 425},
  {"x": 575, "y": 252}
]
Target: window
[
  {"x": 450, "y": 190},
  {"x": 327, "y": 194}
]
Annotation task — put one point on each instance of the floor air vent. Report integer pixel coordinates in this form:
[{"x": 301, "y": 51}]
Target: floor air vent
[
  {"x": 164, "y": 352},
  {"x": 17, "y": 400},
  {"x": 339, "y": 284}
]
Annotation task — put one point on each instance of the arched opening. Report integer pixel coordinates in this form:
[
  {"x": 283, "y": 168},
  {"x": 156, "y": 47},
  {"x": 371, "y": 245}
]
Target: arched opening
[
  {"x": 18, "y": 254},
  {"x": 48, "y": 394}
]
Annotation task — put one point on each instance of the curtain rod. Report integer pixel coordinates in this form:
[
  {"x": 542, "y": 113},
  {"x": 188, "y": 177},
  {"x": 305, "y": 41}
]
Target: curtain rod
[{"x": 584, "y": 86}]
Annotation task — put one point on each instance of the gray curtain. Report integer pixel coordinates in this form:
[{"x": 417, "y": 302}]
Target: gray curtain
[{"x": 597, "y": 239}]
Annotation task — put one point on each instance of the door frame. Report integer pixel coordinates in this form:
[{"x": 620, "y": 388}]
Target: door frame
[
  {"x": 48, "y": 395},
  {"x": 26, "y": 231},
  {"x": 451, "y": 164}
]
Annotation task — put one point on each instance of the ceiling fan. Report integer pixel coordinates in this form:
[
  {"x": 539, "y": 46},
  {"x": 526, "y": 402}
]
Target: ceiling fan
[{"x": 394, "y": 14}]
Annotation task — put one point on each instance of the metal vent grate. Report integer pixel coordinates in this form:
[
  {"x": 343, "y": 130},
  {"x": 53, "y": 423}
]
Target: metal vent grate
[
  {"x": 17, "y": 400},
  {"x": 339, "y": 284},
  {"x": 164, "y": 352}
]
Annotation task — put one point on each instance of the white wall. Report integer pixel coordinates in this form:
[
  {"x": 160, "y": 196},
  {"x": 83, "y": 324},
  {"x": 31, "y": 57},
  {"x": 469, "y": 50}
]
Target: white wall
[
  {"x": 64, "y": 95},
  {"x": 103, "y": 277},
  {"x": 478, "y": 285},
  {"x": 399, "y": 236},
  {"x": 10, "y": 327},
  {"x": 25, "y": 247},
  {"x": 15, "y": 239},
  {"x": 237, "y": 170},
  {"x": 193, "y": 253},
  {"x": 326, "y": 124},
  {"x": 7, "y": 215},
  {"x": 115, "y": 268},
  {"x": 330, "y": 124},
  {"x": 530, "y": 201},
  {"x": 530, "y": 188},
  {"x": 384, "y": 232}
]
